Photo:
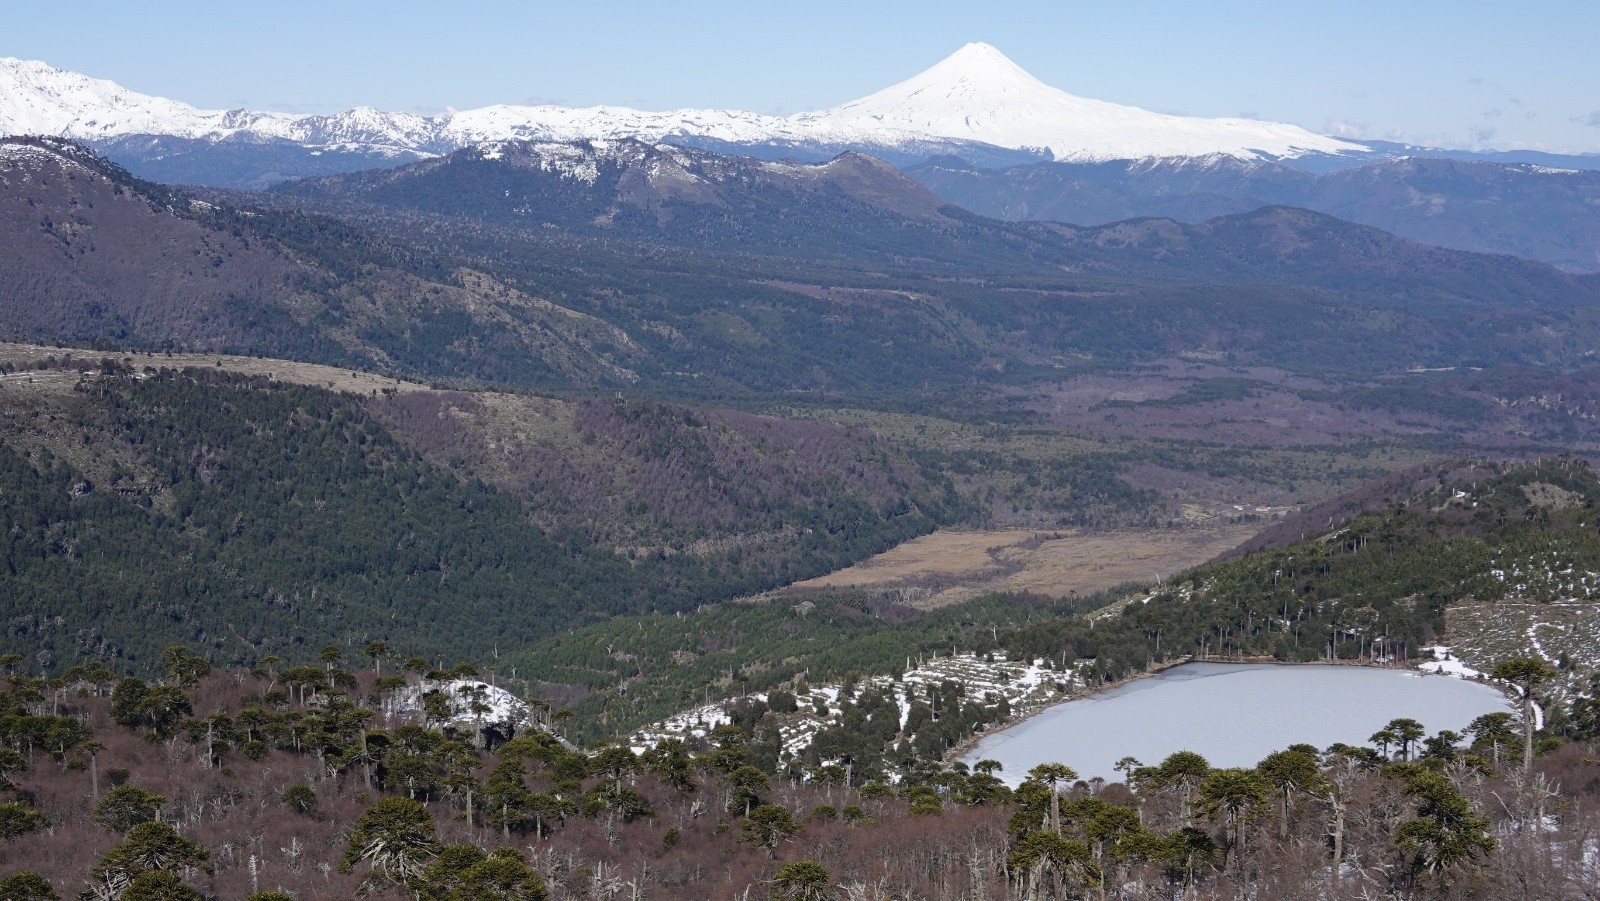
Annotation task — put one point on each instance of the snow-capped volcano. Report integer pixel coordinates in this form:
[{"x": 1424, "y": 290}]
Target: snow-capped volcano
[
  {"x": 976, "y": 98},
  {"x": 977, "y": 94}
]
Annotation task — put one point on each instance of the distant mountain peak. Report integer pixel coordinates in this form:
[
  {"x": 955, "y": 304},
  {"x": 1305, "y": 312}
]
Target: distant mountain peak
[
  {"x": 980, "y": 50},
  {"x": 975, "y": 100},
  {"x": 979, "y": 68},
  {"x": 978, "y": 94}
]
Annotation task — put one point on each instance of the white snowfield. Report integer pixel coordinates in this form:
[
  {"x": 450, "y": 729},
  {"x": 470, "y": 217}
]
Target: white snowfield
[{"x": 976, "y": 95}]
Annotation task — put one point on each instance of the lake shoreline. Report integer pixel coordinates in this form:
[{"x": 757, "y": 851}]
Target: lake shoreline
[{"x": 964, "y": 748}]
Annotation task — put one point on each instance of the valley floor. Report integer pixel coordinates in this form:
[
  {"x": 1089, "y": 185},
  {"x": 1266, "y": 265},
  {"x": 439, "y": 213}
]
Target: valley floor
[{"x": 955, "y": 565}]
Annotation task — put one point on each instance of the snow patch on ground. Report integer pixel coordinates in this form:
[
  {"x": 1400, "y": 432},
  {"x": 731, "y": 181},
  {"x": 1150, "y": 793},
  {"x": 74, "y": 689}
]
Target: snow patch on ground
[
  {"x": 33, "y": 157},
  {"x": 1445, "y": 663},
  {"x": 472, "y": 704},
  {"x": 1025, "y": 686}
]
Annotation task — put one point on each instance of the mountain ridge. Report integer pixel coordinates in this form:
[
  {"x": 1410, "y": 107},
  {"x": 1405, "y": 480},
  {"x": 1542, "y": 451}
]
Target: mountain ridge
[
  {"x": 976, "y": 98},
  {"x": 701, "y": 276},
  {"x": 99, "y": 255},
  {"x": 856, "y": 207},
  {"x": 1527, "y": 210}
]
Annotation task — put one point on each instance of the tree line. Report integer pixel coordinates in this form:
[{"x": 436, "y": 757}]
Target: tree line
[{"x": 300, "y": 781}]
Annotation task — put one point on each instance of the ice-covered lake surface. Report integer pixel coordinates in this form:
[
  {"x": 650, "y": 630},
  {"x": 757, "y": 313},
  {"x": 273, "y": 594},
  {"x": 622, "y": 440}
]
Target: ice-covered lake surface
[{"x": 1233, "y": 714}]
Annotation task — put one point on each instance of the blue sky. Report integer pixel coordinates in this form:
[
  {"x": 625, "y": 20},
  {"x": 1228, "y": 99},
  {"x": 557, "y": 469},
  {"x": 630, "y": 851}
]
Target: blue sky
[{"x": 1459, "y": 74}]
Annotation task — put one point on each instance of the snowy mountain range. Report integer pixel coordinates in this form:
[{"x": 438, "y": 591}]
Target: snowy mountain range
[{"x": 974, "y": 97}]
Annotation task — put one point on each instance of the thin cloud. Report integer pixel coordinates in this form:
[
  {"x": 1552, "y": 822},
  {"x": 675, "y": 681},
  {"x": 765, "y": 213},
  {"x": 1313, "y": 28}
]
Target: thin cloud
[
  {"x": 291, "y": 106},
  {"x": 1344, "y": 128}
]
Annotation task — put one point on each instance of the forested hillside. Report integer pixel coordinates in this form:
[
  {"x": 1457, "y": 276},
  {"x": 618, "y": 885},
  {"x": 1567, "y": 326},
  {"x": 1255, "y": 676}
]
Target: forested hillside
[
  {"x": 756, "y": 284},
  {"x": 99, "y": 256},
  {"x": 878, "y": 268},
  {"x": 633, "y": 670},
  {"x": 249, "y": 518},
  {"x": 703, "y": 482},
  {"x": 1538, "y": 212},
  {"x": 1371, "y": 585}
]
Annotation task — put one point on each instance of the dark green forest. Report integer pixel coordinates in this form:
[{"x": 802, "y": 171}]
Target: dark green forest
[{"x": 251, "y": 518}]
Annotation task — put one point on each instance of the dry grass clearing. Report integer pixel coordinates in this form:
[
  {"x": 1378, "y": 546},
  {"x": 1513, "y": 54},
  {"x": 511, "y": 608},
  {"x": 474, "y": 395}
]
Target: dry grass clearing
[
  {"x": 352, "y": 381},
  {"x": 952, "y": 566}
]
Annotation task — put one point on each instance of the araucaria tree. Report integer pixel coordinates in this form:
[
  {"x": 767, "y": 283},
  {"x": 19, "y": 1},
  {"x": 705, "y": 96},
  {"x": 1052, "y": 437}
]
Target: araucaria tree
[
  {"x": 1527, "y": 674},
  {"x": 395, "y": 838}
]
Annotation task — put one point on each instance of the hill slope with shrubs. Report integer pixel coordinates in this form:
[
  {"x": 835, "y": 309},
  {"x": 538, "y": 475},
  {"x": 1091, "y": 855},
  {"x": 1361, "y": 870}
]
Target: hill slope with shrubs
[{"x": 250, "y": 517}]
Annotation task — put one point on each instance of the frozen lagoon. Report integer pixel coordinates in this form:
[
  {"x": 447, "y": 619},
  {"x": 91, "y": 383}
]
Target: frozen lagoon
[{"x": 1233, "y": 714}]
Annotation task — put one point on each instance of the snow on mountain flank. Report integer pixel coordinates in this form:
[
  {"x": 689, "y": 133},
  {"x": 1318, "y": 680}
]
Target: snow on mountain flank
[
  {"x": 975, "y": 96},
  {"x": 978, "y": 94},
  {"x": 39, "y": 99}
]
